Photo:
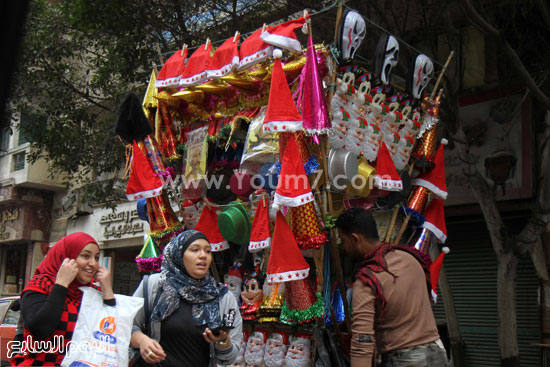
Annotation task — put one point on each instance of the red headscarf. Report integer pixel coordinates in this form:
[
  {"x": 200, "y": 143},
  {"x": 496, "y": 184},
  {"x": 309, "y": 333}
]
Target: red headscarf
[{"x": 68, "y": 247}]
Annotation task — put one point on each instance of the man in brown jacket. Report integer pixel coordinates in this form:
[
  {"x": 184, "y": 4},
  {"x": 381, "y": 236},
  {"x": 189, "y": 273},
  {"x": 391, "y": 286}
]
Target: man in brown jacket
[{"x": 392, "y": 312}]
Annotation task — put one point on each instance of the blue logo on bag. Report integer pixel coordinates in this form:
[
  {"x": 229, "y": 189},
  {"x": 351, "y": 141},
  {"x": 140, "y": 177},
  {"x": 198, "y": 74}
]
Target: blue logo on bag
[{"x": 107, "y": 326}]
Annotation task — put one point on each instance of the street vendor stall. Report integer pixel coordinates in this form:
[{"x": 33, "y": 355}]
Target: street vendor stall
[{"x": 263, "y": 145}]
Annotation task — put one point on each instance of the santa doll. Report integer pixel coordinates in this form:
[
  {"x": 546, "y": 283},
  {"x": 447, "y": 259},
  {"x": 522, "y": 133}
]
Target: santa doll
[
  {"x": 233, "y": 280},
  {"x": 239, "y": 361},
  {"x": 275, "y": 349},
  {"x": 298, "y": 354},
  {"x": 190, "y": 214},
  {"x": 255, "y": 348},
  {"x": 251, "y": 295}
]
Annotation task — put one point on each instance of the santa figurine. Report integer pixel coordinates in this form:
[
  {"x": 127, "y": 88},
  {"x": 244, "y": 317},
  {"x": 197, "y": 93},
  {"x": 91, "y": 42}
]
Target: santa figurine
[
  {"x": 251, "y": 295},
  {"x": 255, "y": 348},
  {"x": 298, "y": 354},
  {"x": 239, "y": 361},
  {"x": 190, "y": 214},
  {"x": 275, "y": 349},
  {"x": 233, "y": 280}
]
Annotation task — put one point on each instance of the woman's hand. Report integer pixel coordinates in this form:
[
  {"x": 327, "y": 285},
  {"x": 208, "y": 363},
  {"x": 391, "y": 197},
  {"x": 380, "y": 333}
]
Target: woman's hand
[
  {"x": 67, "y": 272},
  {"x": 103, "y": 275},
  {"x": 150, "y": 350},
  {"x": 222, "y": 340}
]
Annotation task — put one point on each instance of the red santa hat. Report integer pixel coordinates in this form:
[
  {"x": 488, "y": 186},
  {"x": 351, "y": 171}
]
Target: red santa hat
[
  {"x": 386, "y": 177},
  {"x": 172, "y": 70},
  {"x": 281, "y": 114},
  {"x": 208, "y": 225},
  {"x": 260, "y": 237},
  {"x": 286, "y": 262},
  {"x": 254, "y": 50},
  {"x": 235, "y": 272},
  {"x": 435, "y": 219},
  {"x": 434, "y": 179},
  {"x": 188, "y": 203},
  {"x": 226, "y": 58},
  {"x": 283, "y": 35},
  {"x": 197, "y": 66},
  {"x": 143, "y": 183},
  {"x": 261, "y": 334},
  {"x": 280, "y": 335},
  {"x": 293, "y": 186},
  {"x": 435, "y": 270}
]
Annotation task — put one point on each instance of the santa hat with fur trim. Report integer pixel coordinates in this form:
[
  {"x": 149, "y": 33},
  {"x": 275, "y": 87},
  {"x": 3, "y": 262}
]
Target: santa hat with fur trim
[
  {"x": 283, "y": 35},
  {"x": 254, "y": 50},
  {"x": 197, "y": 66},
  {"x": 286, "y": 262},
  {"x": 435, "y": 270},
  {"x": 226, "y": 58},
  {"x": 386, "y": 177},
  {"x": 435, "y": 219},
  {"x": 172, "y": 70},
  {"x": 143, "y": 182},
  {"x": 293, "y": 186},
  {"x": 281, "y": 114},
  {"x": 260, "y": 237},
  {"x": 434, "y": 179},
  {"x": 208, "y": 225}
]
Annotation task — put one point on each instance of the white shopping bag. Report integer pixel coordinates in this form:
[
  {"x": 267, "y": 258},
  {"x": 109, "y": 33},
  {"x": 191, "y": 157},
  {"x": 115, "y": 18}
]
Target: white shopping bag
[{"x": 102, "y": 333}]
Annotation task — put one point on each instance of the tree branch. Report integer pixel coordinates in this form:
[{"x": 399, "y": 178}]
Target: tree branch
[
  {"x": 494, "y": 34},
  {"x": 543, "y": 9}
]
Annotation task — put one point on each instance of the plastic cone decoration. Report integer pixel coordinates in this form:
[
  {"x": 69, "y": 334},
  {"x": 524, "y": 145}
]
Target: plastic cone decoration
[
  {"x": 293, "y": 186},
  {"x": 424, "y": 241},
  {"x": 260, "y": 237},
  {"x": 208, "y": 224},
  {"x": 254, "y": 50},
  {"x": 226, "y": 58},
  {"x": 149, "y": 259},
  {"x": 172, "y": 70},
  {"x": 301, "y": 304},
  {"x": 314, "y": 106},
  {"x": 305, "y": 226},
  {"x": 386, "y": 177},
  {"x": 425, "y": 150},
  {"x": 416, "y": 204},
  {"x": 162, "y": 219},
  {"x": 149, "y": 100},
  {"x": 435, "y": 219},
  {"x": 143, "y": 182},
  {"x": 283, "y": 35},
  {"x": 435, "y": 270},
  {"x": 286, "y": 262},
  {"x": 197, "y": 66},
  {"x": 434, "y": 179},
  {"x": 281, "y": 115}
]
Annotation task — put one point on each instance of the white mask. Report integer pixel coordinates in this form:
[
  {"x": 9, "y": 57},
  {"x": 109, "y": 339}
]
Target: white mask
[
  {"x": 352, "y": 32},
  {"x": 386, "y": 57},
  {"x": 420, "y": 74}
]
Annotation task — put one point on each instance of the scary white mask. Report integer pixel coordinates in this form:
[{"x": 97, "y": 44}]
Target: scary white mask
[
  {"x": 420, "y": 74},
  {"x": 386, "y": 57},
  {"x": 352, "y": 31}
]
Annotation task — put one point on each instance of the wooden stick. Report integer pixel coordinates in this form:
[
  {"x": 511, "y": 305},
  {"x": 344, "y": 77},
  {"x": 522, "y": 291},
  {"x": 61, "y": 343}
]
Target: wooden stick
[
  {"x": 183, "y": 48},
  {"x": 442, "y": 73},
  {"x": 160, "y": 55},
  {"x": 389, "y": 230},
  {"x": 155, "y": 69},
  {"x": 402, "y": 230}
]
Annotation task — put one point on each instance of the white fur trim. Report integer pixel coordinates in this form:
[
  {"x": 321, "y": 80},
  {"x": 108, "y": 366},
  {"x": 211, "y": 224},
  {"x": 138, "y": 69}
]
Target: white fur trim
[
  {"x": 145, "y": 194},
  {"x": 282, "y": 41},
  {"x": 282, "y": 126},
  {"x": 444, "y": 141},
  {"x": 194, "y": 80},
  {"x": 287, "y": 276},
  {"x": 430, "y": 186},
  {"x": 388, "y": 185},
  {"x": 170, "y": 82},
  {"x": 259, "y": 245},
  {"x": 434, "y": 296},
  {"x": 442, "y": 237},
  {"x": 256, "y": 57},
  {"x": 293, "y": 201},
  {"x": 220, "y": 246},
  {"x": 446, "y": 250},
  {"x": 224, "y": 70}
]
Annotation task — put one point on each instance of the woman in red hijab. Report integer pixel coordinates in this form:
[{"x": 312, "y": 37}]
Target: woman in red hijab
[{"x": 51, "y": 300}]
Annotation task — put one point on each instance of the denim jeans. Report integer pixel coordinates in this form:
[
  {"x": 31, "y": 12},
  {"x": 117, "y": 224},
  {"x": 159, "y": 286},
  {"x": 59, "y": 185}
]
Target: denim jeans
[{"x": 425, "y": 355}]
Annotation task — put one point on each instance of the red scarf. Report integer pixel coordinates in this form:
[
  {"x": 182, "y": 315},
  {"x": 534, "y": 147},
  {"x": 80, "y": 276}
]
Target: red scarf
[{"x": 375, "y": 262}]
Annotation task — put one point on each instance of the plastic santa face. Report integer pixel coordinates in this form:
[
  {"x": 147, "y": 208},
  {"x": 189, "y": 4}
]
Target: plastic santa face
[
  {"x": 254, "y": 354},
  {"x": 252, "y": 292},
  {"x": 190, "y": 216},
  {"x": 275, "y": 349},
  {"x": 352, "y": 34},
  {"x": 358, "y": 136},
  {"x": 298, "y": 353},
  {"x": 233, "y": 283}
]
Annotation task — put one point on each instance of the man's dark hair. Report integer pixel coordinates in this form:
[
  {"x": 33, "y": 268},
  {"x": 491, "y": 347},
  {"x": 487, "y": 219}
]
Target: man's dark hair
[{"x": 360, "y": 221}]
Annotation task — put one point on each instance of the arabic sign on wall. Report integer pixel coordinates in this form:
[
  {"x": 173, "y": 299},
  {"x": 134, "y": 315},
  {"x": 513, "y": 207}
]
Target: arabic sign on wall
[{"x": 121, "y": 224}]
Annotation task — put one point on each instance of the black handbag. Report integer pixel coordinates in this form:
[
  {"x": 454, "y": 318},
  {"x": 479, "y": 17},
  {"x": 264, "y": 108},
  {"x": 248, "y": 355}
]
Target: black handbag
[{"x": 135, "y": 358}]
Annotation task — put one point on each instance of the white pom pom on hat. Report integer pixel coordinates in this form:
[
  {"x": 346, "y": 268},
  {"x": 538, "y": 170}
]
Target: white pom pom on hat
[
  {"x": 444, "y": 141},
  {"x": 446, "y": 249},
  {"x": 277, "y": 53}
]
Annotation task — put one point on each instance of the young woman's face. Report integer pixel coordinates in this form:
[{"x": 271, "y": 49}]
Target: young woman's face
[
  {"x": 88, "y": 263},
  {"x": 197, "y": 258}
]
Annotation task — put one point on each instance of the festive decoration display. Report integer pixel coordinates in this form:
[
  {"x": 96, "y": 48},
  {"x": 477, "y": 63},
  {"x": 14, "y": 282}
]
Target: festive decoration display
[
  {"x": 301, "y": 305},
  {"x": 260, "y": 237},
  {"x": 255, "y": 348},
  {"x": 305, "y": 227},
  {"x": 386, "y": 177},
  {"x": 233, "y": 281},
  {"x": 197, "y": 66},
  {"x": 254, "y": 50},
  {"x": 189, "y": 214},
  {"x": 270, "y": 309},
  {"x": 275, "y": 349},
  {"x": 208, "y": 224},
  {"x": 149, "y": 259},
  {"x": 435, "y": 270},
  {"x": 226, "y": 58},
  {"x": 299, "y": 351},
  {"x": 416, "y": 204},
  {"x": 434, "y": 179},
  {"x": 143, "y": 183},
  {"x": 234, "y": 224},
  {"x": 283, "y": 35},
  {"x": 172, "y": 70},
  {"x": 435, "y": 219}
]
